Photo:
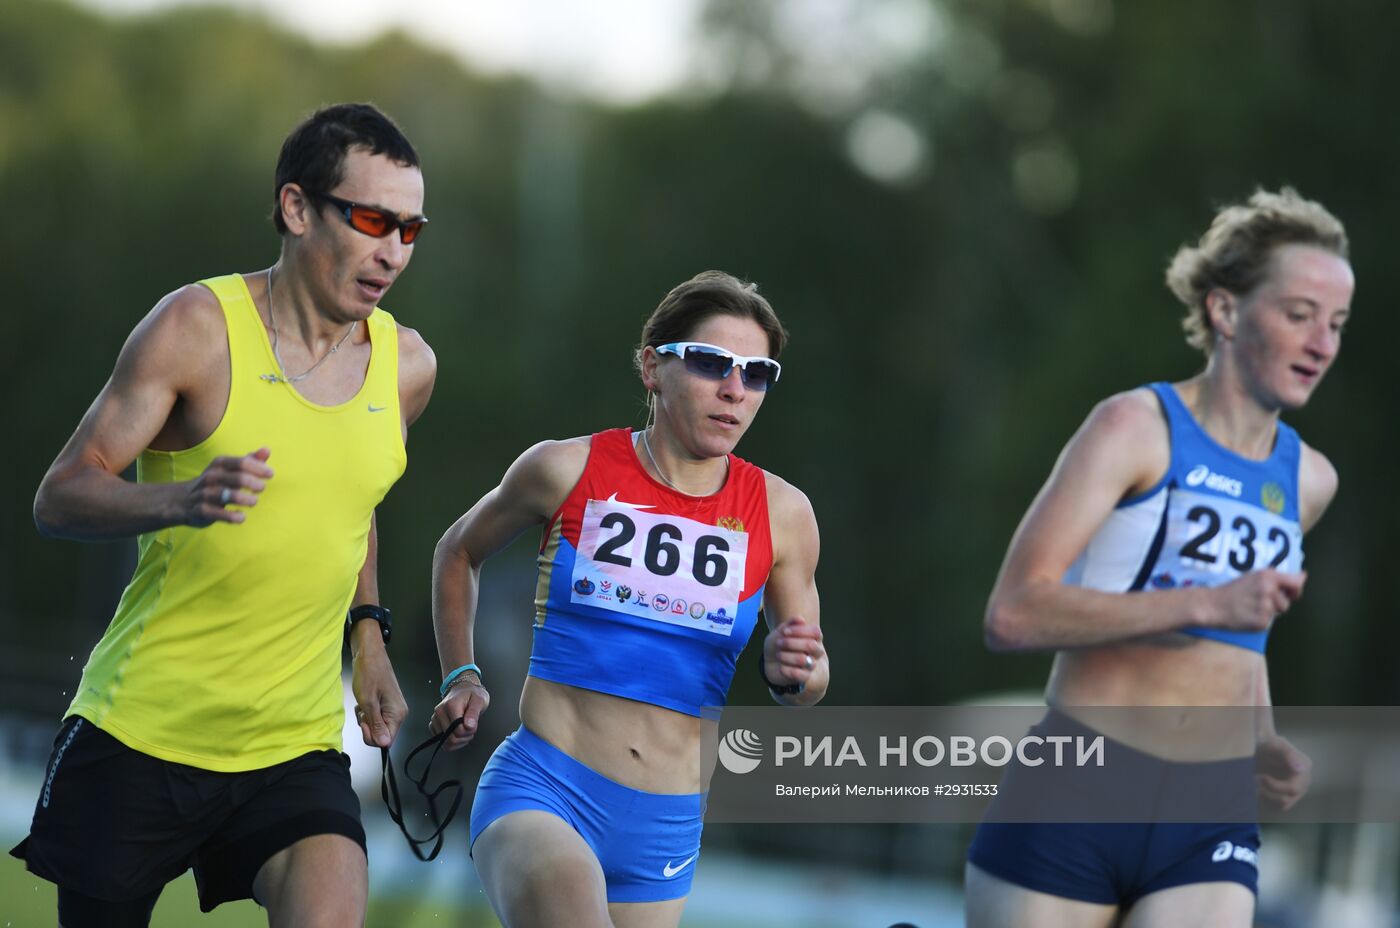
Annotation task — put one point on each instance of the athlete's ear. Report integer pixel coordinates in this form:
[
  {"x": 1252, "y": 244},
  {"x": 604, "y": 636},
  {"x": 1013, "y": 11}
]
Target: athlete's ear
[
  {"x": 295, "y": 205},
  {"x": 1222, "y": 312},
  {"x": 648, "y": 360}
]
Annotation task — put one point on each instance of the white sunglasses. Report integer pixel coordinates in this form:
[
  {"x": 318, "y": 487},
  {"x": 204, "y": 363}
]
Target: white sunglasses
[{"x": 714, "y": 363}]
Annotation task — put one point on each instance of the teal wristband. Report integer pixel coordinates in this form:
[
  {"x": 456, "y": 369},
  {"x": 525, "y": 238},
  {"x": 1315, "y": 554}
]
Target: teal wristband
[{"x": 451, "y": 678}]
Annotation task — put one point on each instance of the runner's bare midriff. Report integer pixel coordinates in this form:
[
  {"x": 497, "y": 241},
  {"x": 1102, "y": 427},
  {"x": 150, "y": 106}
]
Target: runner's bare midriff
[
  {"x": 639, "y": 745},
  {"x": 1169, "y": 678}
]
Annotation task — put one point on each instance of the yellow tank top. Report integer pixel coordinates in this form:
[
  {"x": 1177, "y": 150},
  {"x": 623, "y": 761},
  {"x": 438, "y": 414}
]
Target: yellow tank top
[{"x": 225, "y": 651}]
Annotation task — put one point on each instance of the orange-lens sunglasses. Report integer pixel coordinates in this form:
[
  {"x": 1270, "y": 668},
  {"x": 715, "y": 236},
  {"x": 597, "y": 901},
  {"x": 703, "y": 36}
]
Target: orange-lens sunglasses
[{"x": 372, "y": 221}]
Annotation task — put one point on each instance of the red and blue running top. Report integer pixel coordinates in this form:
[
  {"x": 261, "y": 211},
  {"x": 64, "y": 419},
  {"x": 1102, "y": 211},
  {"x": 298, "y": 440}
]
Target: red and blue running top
[{"x": 647, "y": 593}]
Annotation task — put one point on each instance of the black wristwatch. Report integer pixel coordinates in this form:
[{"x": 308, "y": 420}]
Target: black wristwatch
[
  {"x": 791, "y": 689},
  {"x": 369, "y": 611}
]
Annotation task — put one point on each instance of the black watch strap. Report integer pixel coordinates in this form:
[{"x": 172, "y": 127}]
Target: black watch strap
[
  {"x": 370, "y": 611},
  {"x": 790, "y": 689}
]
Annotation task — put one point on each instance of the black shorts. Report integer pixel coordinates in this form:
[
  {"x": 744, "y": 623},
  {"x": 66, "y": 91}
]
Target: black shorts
[{"x": 115, "y": 824}]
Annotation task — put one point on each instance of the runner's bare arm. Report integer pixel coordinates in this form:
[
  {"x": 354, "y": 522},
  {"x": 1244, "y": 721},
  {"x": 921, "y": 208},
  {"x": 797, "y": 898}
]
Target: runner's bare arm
[
  {"x": 1317, "y": 486},
  {"x": 380, "y": 703},
  {"x": 790, "y": 601},
  {"x": 381, "y": 708},
  {"x": 532, "y": 489},
  {"x": 83, "y": 495},
  {"x": 1283, "y": 772},
  {"x": 417, "y": 376}
]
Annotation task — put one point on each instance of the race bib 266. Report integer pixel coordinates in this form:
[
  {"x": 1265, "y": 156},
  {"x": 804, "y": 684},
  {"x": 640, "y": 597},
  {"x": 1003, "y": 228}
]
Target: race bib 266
[{"x": 659, "y": 566}]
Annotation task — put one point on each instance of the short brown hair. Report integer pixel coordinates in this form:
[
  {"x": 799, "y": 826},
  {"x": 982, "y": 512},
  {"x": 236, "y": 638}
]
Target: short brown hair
[
  {"x": 1234, "y": 253},
  {"x": 709, "y": 293},
  {"x": 313, "y": 154}
]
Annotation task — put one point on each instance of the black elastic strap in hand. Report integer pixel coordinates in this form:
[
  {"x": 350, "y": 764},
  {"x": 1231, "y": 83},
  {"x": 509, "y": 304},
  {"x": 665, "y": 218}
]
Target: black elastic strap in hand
[{"x": 389, "y": 789}]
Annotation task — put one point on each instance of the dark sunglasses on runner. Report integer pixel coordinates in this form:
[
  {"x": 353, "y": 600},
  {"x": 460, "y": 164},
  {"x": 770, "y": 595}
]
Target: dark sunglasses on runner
[
  {"x": 714, "y": 363},
  {"x": 372, "y": 221}
]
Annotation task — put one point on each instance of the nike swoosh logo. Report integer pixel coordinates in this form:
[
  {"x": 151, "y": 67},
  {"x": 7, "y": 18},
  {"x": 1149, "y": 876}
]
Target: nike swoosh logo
[
  {"x": 671, "y": 871},
  {"x": 613, "y": 500},
  {"x": 374, "y": 408}
]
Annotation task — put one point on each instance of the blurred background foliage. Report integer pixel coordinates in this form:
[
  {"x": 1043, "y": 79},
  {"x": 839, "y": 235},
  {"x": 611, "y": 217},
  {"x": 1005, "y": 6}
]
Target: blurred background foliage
[{"x": 961, "y": 208}]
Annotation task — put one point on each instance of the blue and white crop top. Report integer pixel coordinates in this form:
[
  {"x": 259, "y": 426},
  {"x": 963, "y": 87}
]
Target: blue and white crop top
[{"x": 1213, "y": 516}]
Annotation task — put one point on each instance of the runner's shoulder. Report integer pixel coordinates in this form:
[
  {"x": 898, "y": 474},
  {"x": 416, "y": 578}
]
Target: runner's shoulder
[
  {"x": 184, "y": 330},
  {"x": 551, "y": 468},
  {"x": 1124, "y": 441},
  {"x": 1128, "y": 417},
  {"x": 787, "y": 505},
  {"x": 1317, "y": 485},
  {"x": 416, "y": 356}
]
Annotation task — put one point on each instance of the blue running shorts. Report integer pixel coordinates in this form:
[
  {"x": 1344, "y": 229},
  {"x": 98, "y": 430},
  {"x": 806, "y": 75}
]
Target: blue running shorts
[{"x": 647, "y": 843}]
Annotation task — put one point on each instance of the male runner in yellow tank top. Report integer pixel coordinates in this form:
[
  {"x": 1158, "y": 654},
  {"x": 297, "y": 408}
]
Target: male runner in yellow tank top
[{"x": 267, "y": 413}]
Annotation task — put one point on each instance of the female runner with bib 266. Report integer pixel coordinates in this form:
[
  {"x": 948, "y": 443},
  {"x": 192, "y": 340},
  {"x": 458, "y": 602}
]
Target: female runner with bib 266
[{"x": 659, "y": 549}]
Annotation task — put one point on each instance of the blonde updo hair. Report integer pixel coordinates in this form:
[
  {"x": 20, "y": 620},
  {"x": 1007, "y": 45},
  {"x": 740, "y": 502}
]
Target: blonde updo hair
[{"x": 1234, "y": 253}]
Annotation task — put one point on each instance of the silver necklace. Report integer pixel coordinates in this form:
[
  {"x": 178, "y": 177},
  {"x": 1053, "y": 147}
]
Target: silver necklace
[
  {"x": 646, "y": 443},
  {"x": 272, "y": 318}
]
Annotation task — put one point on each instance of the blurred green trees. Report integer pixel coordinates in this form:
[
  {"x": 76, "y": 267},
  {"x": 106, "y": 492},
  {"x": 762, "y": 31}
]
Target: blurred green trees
[{"x": 966, "y": 237}]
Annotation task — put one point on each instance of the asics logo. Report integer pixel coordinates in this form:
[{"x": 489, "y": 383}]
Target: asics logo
[
  {"x": 1225, "y": 850},
  {"x": 669, "y": 871},
  {"x": 1202, "y": 474}
]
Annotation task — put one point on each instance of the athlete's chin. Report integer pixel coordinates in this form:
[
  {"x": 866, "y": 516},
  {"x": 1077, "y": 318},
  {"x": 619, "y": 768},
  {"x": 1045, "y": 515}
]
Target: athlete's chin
[
  {"x": 352, "y": 309},
  {"x": 361, "y": 296},
  {"x": 714, "y": 449},
  {"x": 1296, "y": 396},
  {"x": 361, "y": 309},
  {"x": 718, "y": 442}
]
